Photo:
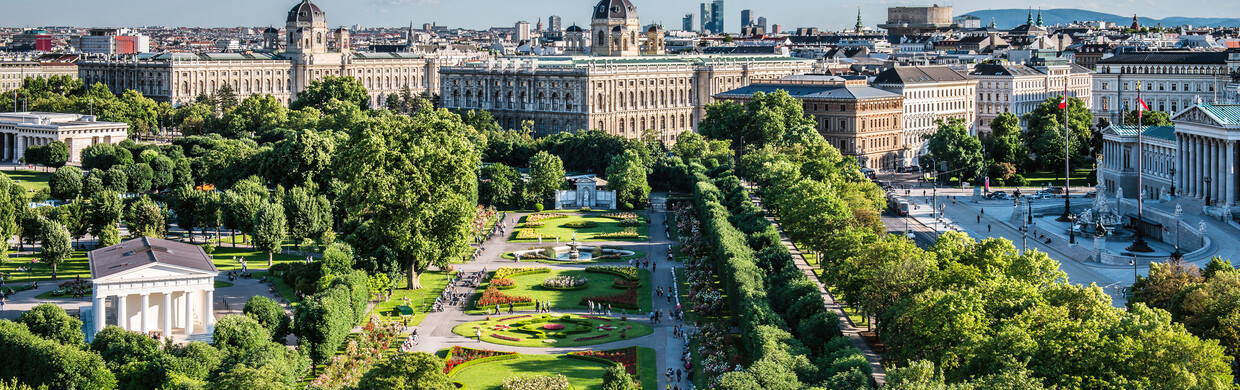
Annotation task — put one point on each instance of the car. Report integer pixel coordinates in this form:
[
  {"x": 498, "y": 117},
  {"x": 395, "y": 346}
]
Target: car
[
  {"x": 998, "y": 195},
  {"x": 1056, "y": 190},
  {"x": 910, "y": 168},
  {"x": 1091, "y": 194}
]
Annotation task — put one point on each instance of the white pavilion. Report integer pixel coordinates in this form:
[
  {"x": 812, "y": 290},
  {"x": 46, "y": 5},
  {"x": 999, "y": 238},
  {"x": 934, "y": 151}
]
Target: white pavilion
[{"x": 155, "y": 287}]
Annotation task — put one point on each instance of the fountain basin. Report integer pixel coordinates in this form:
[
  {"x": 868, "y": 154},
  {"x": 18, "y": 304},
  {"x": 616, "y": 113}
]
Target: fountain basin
[{"x": 564, "y": 253}]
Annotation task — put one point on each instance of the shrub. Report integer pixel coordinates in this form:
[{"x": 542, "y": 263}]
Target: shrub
[
  {"x": 584, "y": 209},
  {"x": 565, "y": 282},
  {"x": 531, "y": 234},
  {"x": 620, "y": 216},
  {"x": 626, "y": 233},
  {"x": 580, "y": 224},
  {"x": 630, "y": 223},
  {"x": 1018, "y": 180},
  {"x": 626, "y": 206},
  {"x": 503, "y": 283},
  {"x": 538, "y": 207},
  {"x": 543, "y": 217},
  {"x": 508, "y": 272},
  {"x": 629, "y": 273},
  {"x": 537, "y": 382}
]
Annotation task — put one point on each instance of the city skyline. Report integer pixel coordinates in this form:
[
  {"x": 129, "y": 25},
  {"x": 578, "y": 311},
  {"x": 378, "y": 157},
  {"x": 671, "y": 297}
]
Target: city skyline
[{"x": 393, "y": 13}]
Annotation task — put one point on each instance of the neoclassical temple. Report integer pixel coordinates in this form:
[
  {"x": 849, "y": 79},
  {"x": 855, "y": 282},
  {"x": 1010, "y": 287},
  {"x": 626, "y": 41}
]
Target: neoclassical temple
[
  {"x": 1206, "y": 135},
  {"x": 153, "y": 285}
]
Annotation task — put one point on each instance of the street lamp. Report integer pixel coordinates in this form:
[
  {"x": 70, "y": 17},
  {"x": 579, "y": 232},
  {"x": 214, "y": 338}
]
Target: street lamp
[
  {"x": 1172, "y": 170},
  {"x": 1179, "y": 215},
  {"x": 1132, "y": 260},
  {"x": 1072, "y": 228}
]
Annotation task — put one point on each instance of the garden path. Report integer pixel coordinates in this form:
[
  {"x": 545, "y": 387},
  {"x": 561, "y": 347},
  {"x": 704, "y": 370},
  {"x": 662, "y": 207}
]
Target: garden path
[{"x": 435, "y": 332}]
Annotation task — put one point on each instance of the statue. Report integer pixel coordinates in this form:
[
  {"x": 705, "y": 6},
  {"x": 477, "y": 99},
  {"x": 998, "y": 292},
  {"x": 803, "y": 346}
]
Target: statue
[
  {"x": 585, "y": 198},
  {"x": 1162, "y": 193}
]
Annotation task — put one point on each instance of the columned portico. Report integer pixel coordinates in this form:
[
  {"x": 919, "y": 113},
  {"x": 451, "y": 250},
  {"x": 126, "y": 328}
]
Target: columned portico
[
  {"x": 168, "y": 281},
  {"x": 1207, "y": 133}
]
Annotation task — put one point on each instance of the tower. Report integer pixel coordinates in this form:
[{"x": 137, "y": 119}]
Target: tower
[
  {"x": 271, "y": 39},
  {"x": 1039, "y": 18},
  {"x": 341, "y": 39},
  {"x": 1135, "y": 25},
  {"x": 1029, "y": 20},
  {"x": 616, "y": 27},
  {"x": 859, "y": 26},
  {"x": 654, "y": 41},
  {"x": 307, "y": 29},
  {"x": 575, "y": 40}
]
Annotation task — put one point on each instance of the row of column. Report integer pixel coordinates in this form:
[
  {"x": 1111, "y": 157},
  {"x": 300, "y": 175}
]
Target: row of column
[
  {"x": 13, "y": 146},
  {"x": 120, "y": 304},
  {"x": 1203, "y": 157}
]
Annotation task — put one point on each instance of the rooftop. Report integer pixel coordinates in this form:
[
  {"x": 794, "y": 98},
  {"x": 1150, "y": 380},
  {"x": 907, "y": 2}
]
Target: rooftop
[
  {"x": 1161, "y": 132},
  {"x": 918, "y": 74},
  {"x": 146, "y": 251},
  {"x": 1168, "y": 57},
  {"x": 833, "y": 92}
]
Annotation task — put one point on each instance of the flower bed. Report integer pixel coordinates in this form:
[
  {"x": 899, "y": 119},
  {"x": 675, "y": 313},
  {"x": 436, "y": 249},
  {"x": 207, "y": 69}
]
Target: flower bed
[
  {"x": 543, "y": 217},
  {"x": 532, "y": 225},
  {"x": 72, "y": 286},
  {"x": 565, "y": 282},
  {"x": 515, "y": 317},
  {"x": 509, "y": 272},
  {"x": 531, "y": 234},
  {"x": 360, "y": 354},
  {"x": 592, "y": 337},
  {"x": 625, "y": 284},
  {"x": 624, "y": 300},
  {"x": 459, "y": 355},
  {"x": 626, "y": 357},
  {"x": 604, "y": 319},
  {"x": 620, "y": 216},
  {"x": 629, "y": 232},
  {"x": 553, "y": 326},
  {"x": 492, "y": 297},
  {"x": 537, "y": 382},
  {"x": 503, "y": 283},
  {"x": 580, "y": 224},
  {"x": 629, "y": 273},
  {"x": 502, "y": 337},
  {"x": 630, "y": 223}
]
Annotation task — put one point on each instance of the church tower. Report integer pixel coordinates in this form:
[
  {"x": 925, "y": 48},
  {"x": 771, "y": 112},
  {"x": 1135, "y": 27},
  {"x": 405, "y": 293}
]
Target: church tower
[
  {"x": 307, "y": 29},
  {"x": 616, "y": 29},
  {"x": 654, "y": 41}
]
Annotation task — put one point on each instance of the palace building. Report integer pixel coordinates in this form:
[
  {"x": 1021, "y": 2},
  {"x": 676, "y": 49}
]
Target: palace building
[
  {"x": 625, "y": 87},
  {"x": 312, "y": 52}
]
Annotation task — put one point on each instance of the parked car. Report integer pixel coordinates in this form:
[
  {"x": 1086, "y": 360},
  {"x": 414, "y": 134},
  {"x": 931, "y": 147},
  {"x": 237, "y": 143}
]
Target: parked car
[
  {"x": 910, "y": 168},
  {"x": 998, "y": 195},
  {"x": 1091, "y": 194},
  {"x": 1056, "y": 190}
]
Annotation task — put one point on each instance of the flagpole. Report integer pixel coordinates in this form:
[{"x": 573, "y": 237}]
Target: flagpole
[
  {"x": 1067, "y": 162},
  {"x": 1138, "y": 243}
]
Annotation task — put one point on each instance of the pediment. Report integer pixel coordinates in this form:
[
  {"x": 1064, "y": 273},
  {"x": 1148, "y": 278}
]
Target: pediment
[{"x": 1196, "y": 114}]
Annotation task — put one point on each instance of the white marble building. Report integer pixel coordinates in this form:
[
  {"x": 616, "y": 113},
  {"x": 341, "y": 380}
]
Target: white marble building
[
  {"x": 931, "y": 93},
  {"x": 153, "y": 285},
  {"x": 1019, "y": 89},
  {"x": 1119, "y": 160},
  {"x": 1206, "y": 169},
  {"x": 1170, "y": 81}
]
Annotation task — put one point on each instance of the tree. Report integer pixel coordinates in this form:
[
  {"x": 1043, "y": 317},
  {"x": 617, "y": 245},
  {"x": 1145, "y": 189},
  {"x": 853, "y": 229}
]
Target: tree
[
  {"x": 1164, "y": 282},
  {"x": 51, "y": 322},
  {"x": 225, "y": 99},
  {"x": 1003, "y": 144},
  {"x": 1148, "y": 118},
  {"x": 1045, "y": 137},
  {"x": 66, "y": 183},
  {"x": 242, "y": 334},
  {"x": 616, "y": 378},
  {"x": 338, "y": 259},
  {"x": 244, "y": 377},
  {"x": 270, "y": 228},
  {"x": 241, "y": 202},
  {"x": 418, "y": 370},
  {"x": 299, "y": 159},
  {"x": 8, "y": 213},
  {"x": 307, "y": 215},
  {"x": 115, "y": 179},
  {"x": 627, "y": 177},
  {"x": 269, "y": 314},
  {"x": 546, "y": 176},
  {"x": 162, "y": 168},
  {"x": 412, "y": 181},
  {"x": 256, "y": 114},
  {"x": 146, "y": 218},
  {"x": 323, "y": 321},
  {"x": 500, "y": 186},
  {"x": 99, "y": 156},
  {"x": 56, "y": 244},
  {"x": 343, "y": 88},
  {"x": 119, "y": 347},
  {"x": 140, "y": 176},
  {"x": 953, "y": 145},
  {"x": 41, "y": 362},
  {"x": 55, "y": 154},
  {"x": 690, "y": 146}
]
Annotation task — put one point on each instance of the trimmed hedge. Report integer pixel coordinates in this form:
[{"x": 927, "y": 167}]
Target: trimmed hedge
[
  {"x": 480, "y": 361},
  {"x": 610, "y": 270}
]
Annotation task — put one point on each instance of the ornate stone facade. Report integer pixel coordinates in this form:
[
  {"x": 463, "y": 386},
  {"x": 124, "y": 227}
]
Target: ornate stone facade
[{"x": 312, "y": 53}]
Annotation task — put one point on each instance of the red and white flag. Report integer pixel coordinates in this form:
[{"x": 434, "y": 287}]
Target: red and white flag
[
  {"x": 1063, "y": 103},
  {"x": 1141, "y": 106}
]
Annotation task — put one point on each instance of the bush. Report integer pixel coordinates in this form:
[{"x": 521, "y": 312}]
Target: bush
[
  {"x": 626, "y": 206},
  {"x": 630, "y": 223},
  {"x": 269, "y": 314},
  {"x": 580, "y": 224},
  {"x": 538, "y": 207},
  {"x": 537, "y": 382},
  {"x": 1018, "y": 180}
]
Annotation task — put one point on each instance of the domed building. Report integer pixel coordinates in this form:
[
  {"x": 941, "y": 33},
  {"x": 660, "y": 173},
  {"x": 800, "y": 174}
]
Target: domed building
[
  {"x": 312, "y": 51},
  {"x": 616, "y": 29}
]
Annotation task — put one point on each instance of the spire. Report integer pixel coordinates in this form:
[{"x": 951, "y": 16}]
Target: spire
[
  {"x": 992, "y": 22},
  {"x": 1039, "y": 17},
  {"x": 859, "y": 25},
  {"x": 1029, "y": 20}
]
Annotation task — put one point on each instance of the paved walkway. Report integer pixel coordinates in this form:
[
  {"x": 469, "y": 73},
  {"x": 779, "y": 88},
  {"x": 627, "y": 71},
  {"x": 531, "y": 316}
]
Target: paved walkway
[
  {"x": 435, "y": 331},
  {"x": 846, "y": 325}
]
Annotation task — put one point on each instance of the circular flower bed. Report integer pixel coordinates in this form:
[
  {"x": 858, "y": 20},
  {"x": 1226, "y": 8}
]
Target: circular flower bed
[{"x": 552, "y": 326}]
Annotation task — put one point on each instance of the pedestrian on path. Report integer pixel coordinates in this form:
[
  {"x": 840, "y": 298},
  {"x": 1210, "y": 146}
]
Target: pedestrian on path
[
  {"x": 678, "y": 375},
  {"x": 979, "y": 218},
  {"x": 479, "y": 334},
  {"x": 987, "y": 228}
]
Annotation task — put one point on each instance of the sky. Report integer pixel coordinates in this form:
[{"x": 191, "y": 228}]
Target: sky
[{"x": 480, "y": 14}]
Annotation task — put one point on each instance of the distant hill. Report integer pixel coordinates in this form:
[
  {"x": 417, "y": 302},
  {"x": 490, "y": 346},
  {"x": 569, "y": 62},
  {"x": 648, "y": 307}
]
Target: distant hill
[{"x": 1008, "y": 18}]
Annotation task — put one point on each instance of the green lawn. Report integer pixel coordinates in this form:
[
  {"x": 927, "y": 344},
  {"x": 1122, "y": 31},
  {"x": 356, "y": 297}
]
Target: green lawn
[
  {"x": 647, "y": 368},
  {"x": 285, "y": 291},
  {"x": 583, "y": 375},
  {"x": 432, "y": 284},
  {"x": 31, "y": 180},
  {"x": 223, "y": 258},
  {"x": 555, "y": 228},
  {"x": 530, "y": 339},
  {"x": 599, "y": 284},
  {"x": 75, "y": 266}
]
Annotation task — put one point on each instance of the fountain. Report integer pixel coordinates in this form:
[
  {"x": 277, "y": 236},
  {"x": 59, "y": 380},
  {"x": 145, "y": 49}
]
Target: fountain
[{"x": 574, "y": 252}]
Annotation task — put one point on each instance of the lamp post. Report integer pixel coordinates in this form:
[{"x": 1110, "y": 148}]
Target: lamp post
[
  {"x": 1132, "y": 260},
  {"x": 1067, "y": 159},
  {"x": 1072, "y": 228},
  {"x": 1179, "y": 215},
  {"x": 1172, "y": 170},
  {"x": 1207, "y": 179}
]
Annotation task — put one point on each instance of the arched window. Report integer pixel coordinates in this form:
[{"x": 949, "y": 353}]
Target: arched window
[
  {"x": 568, "y": 102},
  {"x": 602, "y": 40}
]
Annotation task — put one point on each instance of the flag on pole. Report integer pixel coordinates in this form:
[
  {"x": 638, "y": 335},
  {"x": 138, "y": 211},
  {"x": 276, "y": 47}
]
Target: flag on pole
[
  {"x": 1141, "y": 106},
  {"x": 1063, "y": 103}
]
